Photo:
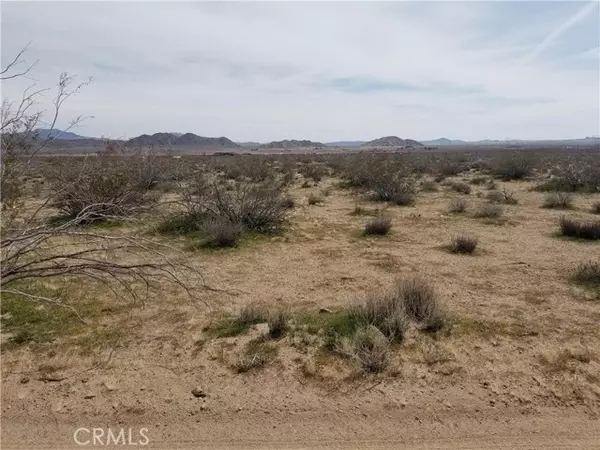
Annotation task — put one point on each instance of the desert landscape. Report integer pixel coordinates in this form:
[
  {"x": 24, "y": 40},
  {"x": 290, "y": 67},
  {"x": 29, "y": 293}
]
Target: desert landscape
[
  {"x": 300, "y": 225},
  {"x": 311, "y": 299}
]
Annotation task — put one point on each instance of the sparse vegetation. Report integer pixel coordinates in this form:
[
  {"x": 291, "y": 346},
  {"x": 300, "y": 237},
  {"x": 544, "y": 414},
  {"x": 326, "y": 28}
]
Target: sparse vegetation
[
  {"x": 589, "y": 230},
  {"x": 489, "y": 211},
  {"x": 314, "y": 199},
  {"x": 463, "y": 243},
  {"x": 458, "y": 205},
  {"x": 463, "y": 188},
  {"x": 558, "y": 200},
  {"x": 588, "y": 273},
  {"x": 379, "y": 225},
  {"x": 256, "y": 354}
]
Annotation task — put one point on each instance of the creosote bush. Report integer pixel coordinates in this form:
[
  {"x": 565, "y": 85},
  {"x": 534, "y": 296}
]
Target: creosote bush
[
  {"x": 589, "y": 230},
  {"x": 558, "y": 200},
  {"x": 515, "y": 166},
  {"x": 464, "y": 244},
  {"x": 379, "y": 225}
]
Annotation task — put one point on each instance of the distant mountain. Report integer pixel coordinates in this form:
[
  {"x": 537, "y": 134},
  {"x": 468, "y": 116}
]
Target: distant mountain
[
  {"x": 444, "y": 141},
  {"x": 287, "y": 143},
  {"x": 46, "y": 133},
  {"x": 187, "y": 139},
  {"x": 392, "y": 141},
  {"x": 345, "y": 144},
  {"x": 249, "y": 144}
]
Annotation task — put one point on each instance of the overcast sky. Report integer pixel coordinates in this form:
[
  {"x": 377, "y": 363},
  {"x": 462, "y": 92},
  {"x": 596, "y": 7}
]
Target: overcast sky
[{"x": 320, "y": 71}]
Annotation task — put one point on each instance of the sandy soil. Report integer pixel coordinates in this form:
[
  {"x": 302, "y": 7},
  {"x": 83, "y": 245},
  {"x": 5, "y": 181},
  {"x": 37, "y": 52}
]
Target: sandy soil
[{"x": 509, "y": 375}]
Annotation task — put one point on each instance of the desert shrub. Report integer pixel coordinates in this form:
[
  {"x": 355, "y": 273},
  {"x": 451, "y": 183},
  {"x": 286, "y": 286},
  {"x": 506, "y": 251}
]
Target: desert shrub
[
  {"x": 558, "y": 200},
  {"x": 515, "y": 166},
  {"x": 370, "y": 349},
  {"x": 385, "y": 311},
  {"x": 306, "y": 184},
  {"x": 277, "y": 322},
  {"x": 378, "y": 226},
  {"x": 314, "y": 199},
  {"x": 478, "y": 180},
  {"x": 252, "y": 168},
  {"x": 588, "y": 273},
  {"x": 105, "y": 186},
  {"x": 463, "y": 243},
  {"x": 458, "y": 205},
  {"x": 489, "y": 211},
  {"x": 580, "y": 229},
  {"x": 288, "y": 203},
  {"x": 219, "y": 233},
  {"x": 449, "y": 168},
  {"x": 463, "y": 188},
  {"x": 595, "y": 208},
  {"x": 504, "y": 196},
  {"x": 420, "y": 303},
  {"x": 314, "y": 171},
  {"x": 574, "y": 175},
  {"x": 429, "y": 186},
  {"x": 256, "y": 206},
  {"x": 256, "y": 354}
]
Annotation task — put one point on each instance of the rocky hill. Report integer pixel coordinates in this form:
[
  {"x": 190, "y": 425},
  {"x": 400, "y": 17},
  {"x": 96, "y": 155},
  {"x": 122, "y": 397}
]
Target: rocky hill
[
  {"x": 392, "y": 141},
  {"x": 293, "y": 143},
  {"x": 175, "y": 140}
]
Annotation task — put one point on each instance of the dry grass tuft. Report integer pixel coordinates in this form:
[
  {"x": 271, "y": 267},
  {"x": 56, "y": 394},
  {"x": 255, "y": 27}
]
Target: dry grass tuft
[
  {"x": 489, "y": 211},
  {"x": 379, "y": 226},
  {"x": 421, "y": 303},
  {"x": 370, "y": 348},
  {"x": 588, "y": 273},
  {"x": 464, "y": 244},
  {"x": 458, "y": 205}
]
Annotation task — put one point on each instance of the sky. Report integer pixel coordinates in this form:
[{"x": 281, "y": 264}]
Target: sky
[{"x": 325, "y": 71}]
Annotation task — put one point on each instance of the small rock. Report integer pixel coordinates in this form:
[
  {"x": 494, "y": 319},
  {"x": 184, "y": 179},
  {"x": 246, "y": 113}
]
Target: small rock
[
  {"x": 325, "y": 310},
  {"x": 24, "y": 380},
  {"x": 110, "y": 386},
  {"x": 198, "y": 392},
  {"x": 89, "y": 396}
]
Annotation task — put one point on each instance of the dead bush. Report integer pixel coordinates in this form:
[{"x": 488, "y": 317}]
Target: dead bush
[
  {"x": 463, "y": 243},
  {"x": 380, "y": 225},
  {"x": 220, "y": 233},
  {"x": 458, "y": 205},
  {"x": 108, "y": 185},
  {"x": 420, "y": 303},
  {"x": 463, "y": 188},
  {"x": 489, "y": 211},
  {"x": 580, "y": 229},
  {"x": 588, "y": 273},
  {"x": 385, "y": 311},
  {"x": 558, "y": 200},
  {"x": 370, "y": 349},
  {"x": 504, "y": 196},
  {"x": 314, "y": 199},
  {"x": 277, "y": 322}
]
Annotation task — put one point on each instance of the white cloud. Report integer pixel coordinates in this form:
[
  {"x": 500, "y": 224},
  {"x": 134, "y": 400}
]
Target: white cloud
[{"x": 262, "y": 71}]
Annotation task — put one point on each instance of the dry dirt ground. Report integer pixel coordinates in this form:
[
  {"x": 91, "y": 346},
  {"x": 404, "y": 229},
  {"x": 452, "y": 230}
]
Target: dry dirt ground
[{"x": 520, "y": 367}]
